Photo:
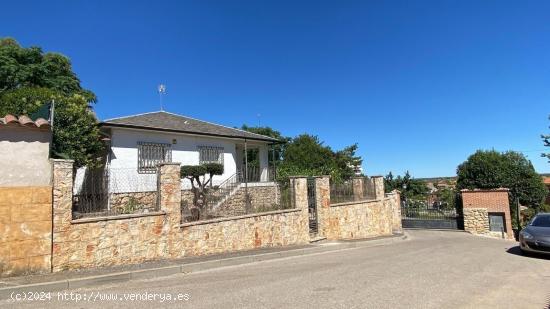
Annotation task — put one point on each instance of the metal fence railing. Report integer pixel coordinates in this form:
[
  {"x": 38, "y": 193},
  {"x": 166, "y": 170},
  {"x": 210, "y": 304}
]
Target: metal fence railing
[
  {"x": 234, "y": 198},
  {"x": 341, "y": 192},
  {"x": 369, "y": 191},
  {"x": 113, "y": 191}
]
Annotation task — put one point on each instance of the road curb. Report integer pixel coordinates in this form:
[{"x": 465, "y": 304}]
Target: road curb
[{"x": 66, "y": 284}]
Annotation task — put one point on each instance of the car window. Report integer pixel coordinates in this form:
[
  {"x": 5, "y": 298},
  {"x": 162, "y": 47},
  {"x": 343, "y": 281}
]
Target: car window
[{"x": 543, "y": 221}]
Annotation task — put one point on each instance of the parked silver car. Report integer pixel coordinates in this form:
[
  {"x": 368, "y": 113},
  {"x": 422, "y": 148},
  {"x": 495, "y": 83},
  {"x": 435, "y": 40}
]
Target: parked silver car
[{"x": 535, "y": 237}]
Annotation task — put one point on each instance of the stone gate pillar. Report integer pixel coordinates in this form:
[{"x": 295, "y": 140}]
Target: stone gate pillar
[
  {"x": 394, "y": 198},
  {"x": 357, "y": 184},
  {"x": 322, "y": 194},
  {"x": 62, "y": 210},
  {"x": 378, "y": 187},
  {"x": 170, "y": 191},
  {"x": 299, "y": 190}
]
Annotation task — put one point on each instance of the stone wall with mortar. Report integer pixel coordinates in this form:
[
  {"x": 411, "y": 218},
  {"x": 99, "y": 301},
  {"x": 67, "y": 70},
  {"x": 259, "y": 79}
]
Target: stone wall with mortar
[
  {"x": 262, "y": 198},
  {"x": 476, "y": 220},
  {"x": 394, "y": 200},
  {"x": 145, "y": 200},
  {"x": 115, "y": 240},
  {"x": 135, "y": 238},
  {"x": 25, "y": 230},
  {"x": 359, "y": 219}
]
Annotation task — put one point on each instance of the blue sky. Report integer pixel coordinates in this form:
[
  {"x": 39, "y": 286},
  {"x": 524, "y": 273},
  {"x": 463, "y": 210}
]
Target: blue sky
[{"x": 419, "y": 85}]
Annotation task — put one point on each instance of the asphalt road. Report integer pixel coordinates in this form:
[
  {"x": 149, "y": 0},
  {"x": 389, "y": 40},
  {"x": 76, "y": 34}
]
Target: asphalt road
[{"x": 433, "y": 269}]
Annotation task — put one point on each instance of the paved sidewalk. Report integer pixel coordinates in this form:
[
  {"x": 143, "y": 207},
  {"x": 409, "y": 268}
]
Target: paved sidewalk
[{"x": 154, "y": 269}]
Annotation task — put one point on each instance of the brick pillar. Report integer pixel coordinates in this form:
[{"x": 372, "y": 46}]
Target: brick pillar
[
  {"x": 62, "y": 210},
  {"x": 357, "y": 184},
  {"x": 299, "y": 189},
  {"x": 378, "y": 187},
  {"x": 322, "y": 193},
  {"x": 170, "y": 191}
]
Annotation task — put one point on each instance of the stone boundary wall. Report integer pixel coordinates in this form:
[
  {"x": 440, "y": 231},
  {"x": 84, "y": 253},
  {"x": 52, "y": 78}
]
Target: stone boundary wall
[
  {"x": 130, "y": 239},
  {"x": 54, "y": 241},
  {"x": 359, "y": 219},
  {"x": 145, "y": 200},
  {"x": 25, "y": 230},
  {"x": 270, "y": 229}
]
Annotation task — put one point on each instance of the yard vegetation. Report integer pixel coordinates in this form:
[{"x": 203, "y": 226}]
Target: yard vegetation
[{"x": 30, "y": 80}]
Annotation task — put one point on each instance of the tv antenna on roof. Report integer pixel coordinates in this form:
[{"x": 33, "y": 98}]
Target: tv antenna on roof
[{"x": 162, "y": 90}]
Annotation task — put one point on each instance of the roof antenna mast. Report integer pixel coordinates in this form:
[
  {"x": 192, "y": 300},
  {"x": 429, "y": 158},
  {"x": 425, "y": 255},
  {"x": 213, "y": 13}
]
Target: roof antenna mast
[{"x": 162, "y": 91}]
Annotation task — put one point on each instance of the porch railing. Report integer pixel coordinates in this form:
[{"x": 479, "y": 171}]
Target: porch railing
[{"x": 254, "y": 174}]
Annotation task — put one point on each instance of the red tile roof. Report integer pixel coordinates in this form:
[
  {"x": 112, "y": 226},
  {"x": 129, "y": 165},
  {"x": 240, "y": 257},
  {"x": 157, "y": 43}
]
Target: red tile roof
[
  {"x": 25, "y": 121},
  {"x": 546, "y": 180}
]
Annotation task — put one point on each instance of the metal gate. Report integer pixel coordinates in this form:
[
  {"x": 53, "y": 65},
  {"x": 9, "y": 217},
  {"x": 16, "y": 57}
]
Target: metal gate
[
  {"x": 421, "y": 214},
  {"x": 312, "y": 206}
]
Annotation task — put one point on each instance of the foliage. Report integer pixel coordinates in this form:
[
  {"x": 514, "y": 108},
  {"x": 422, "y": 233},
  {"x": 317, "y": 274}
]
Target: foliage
[
  {"x": 213, "y": 168},
  {"x": 131, "y": 206},
  {"x": 447, "y": 197},
  {"x": 409, "y": 187},
  {"x": 200, "y": 177},
  {"x": 306, "y": 155},
  {"x": 529, "y": 213},
  {"x": 75, "y": 134},
  {"x": 29, "y": 79},
  {"x": 192, "y": 171},
  {"x": 31, "y": 67},
  {"x": 546, "y": 141},
  {"x": 492, "y": 169},
  {"x": 274, "y": 155}
]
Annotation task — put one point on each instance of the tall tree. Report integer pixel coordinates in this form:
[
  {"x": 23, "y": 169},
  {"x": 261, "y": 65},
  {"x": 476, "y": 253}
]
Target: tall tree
[
  {"x": 492, "y": 169},
  {"x": 30, "y": 79},
  {"x": 307, "y": 155}
]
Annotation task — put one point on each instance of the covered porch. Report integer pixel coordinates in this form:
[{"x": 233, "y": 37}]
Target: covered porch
[{"x": 253, "y": 162}]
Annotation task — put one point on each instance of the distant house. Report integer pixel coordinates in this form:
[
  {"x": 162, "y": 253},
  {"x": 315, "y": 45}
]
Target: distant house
[{"x": 138, "y": 143}]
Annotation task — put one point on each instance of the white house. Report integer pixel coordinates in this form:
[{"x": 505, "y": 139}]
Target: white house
[{"x": 139, "y": 142}]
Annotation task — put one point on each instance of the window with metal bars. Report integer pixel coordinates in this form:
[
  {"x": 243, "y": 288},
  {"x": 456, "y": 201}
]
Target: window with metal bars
[
  {"x": 210, "y": 154},
  {"x": 151, "y": 154}
]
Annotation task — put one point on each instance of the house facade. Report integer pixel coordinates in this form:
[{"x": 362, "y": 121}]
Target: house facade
[{"x": 138, "y": 143}]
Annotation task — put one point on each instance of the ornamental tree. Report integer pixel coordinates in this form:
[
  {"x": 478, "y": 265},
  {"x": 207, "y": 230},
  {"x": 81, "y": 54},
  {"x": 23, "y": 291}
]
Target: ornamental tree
[{"x": 200, "y": 177}]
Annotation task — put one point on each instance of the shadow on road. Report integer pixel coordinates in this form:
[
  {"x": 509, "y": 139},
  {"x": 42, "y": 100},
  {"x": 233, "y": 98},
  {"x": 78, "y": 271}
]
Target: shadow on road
[{"x": 516, "y": 251}]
